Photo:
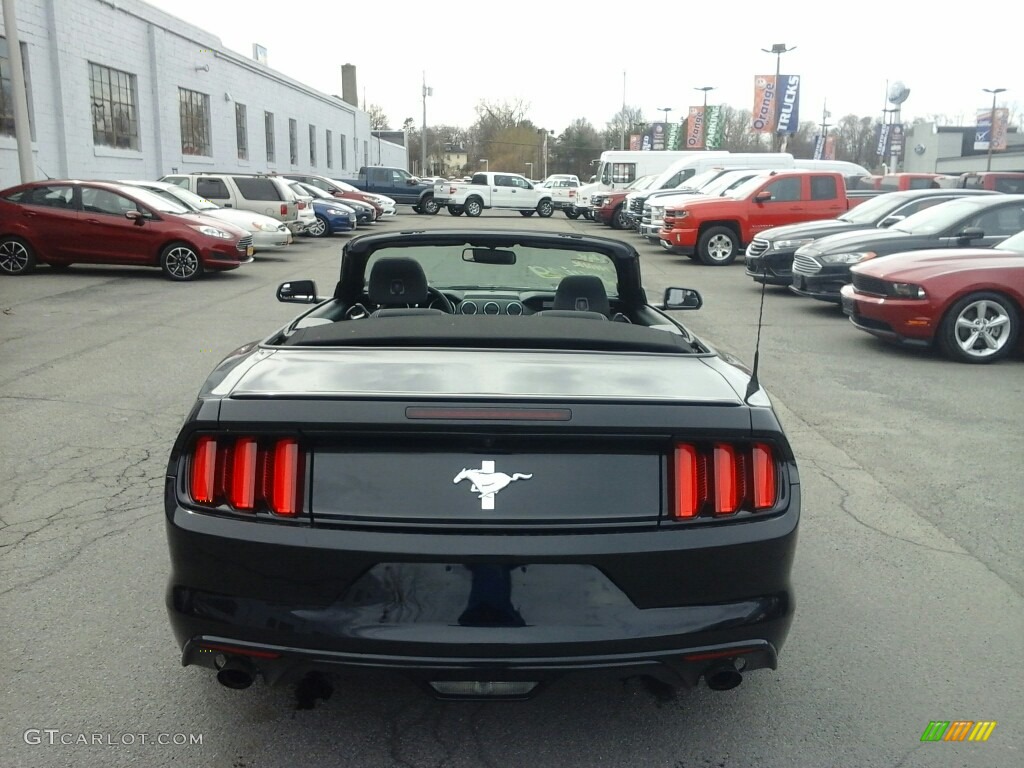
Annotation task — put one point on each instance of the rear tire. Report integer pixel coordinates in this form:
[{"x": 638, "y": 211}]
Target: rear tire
[
  {"x": 429, "y": 205},
  {"x": 526, "y": 213},
  {"x": 455, "y": 210},
  {"x": 571, "y": 213},
  {"x": 180, "y": 262},
  {"x": 718, "y": 246},
  {"x": 16, "y": 257},
  {"x": 473, "y": 207}
]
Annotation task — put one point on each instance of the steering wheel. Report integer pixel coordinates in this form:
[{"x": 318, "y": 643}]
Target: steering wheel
[{"x": 437, "y": 297}]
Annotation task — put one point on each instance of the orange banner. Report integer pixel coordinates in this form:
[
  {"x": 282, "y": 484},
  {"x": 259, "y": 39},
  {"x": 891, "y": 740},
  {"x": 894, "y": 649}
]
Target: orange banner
[
  {"x": 765, "y": 94},
  {"x": 695, "y": 128}
]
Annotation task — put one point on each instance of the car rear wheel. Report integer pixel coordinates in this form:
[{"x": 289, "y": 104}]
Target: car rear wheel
[
  {"x": 16, "y": 256},
  {"x": 429, "y": 205},
  {"x": 545, "y": 208},
  {"x": 454, "y": 210},
  {"x": 571, "y": 213},
  {"x": 180, "y": 262},
  {"x": 718, "y": 246},
  {"x": 980, "y": 328},
  {"x": 473, "y": 207},
  {"x": 319, "y": 228},
  {"x": 526, "y": 213}
]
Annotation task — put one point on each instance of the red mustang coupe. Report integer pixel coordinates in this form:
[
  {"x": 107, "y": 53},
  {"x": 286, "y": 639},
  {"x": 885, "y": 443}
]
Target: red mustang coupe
[{"x": 968, "y": 301}]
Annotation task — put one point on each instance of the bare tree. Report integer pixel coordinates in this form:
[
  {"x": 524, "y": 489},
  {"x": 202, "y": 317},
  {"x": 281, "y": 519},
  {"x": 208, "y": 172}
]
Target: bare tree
[
  {"x": 378, "y": 120},
  {"x": 617, "y": 130}
]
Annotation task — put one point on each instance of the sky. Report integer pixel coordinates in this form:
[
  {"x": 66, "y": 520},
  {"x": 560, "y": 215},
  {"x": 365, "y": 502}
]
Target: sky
[{"x": 565, "y": 61}]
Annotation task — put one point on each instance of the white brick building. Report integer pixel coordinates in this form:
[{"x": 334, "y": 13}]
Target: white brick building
[{"x": 120, "y": 89}]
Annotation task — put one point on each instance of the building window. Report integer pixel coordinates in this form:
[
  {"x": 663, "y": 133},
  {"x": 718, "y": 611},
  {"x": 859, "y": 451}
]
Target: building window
[
  {"x": 241, "y": 132},
  {"x": 268, "y": 130},
  {"x": 195, "y": 122},
  {"x": 293, "y": 141},
  {"x": 312, "y": 145},
  {"x": 330, "y": 150},
  {"x": 355, "y": 150},
  {"x": 366, "y": 153},
  {"x": 7, "y": 90},
  {"x": 115, "y": 107},
  {"x": 344, "y": 149}
]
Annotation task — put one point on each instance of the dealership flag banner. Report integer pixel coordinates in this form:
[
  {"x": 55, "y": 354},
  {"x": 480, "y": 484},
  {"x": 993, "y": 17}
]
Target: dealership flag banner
[
  {"x": 788, "y": 96},
  {"x": 675, "y": 136},
  {"x": 658, "y": 133},
  {"x": 830, "y": 148},
  {"x": 634, "y": 142},
  {"x": 819, "y": 146},
  {"x": 712, "y": 127},
  {"x": 764, "y": 104},
  {"x": 992, "y": 128},
  {"x": 695, "y": 128},
  {"x": 882, "y": 140}
]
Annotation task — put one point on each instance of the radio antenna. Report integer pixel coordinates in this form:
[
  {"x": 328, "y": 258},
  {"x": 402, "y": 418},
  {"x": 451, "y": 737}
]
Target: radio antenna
[{"x": 754, "y": 384}]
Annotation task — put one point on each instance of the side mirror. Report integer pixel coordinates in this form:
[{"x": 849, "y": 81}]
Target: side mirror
[
  {"x": 970, "y": 233},
  {"x": 683, "y": 298},
  {"x": 413, "y": 181},
  {"x": 298, "y": 292},
  {"x": 763, "y": 196},
  {"x": 888, "y": 221},
  {"x": 137, "y": 217}
]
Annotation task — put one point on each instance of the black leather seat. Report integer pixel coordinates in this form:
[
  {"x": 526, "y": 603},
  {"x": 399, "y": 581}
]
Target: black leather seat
[
  {"x": 396, "y": 284},
  {"x": 580, "y": 296}
]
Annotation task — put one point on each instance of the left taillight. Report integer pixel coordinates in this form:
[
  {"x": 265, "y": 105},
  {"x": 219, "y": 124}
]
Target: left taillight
[
  {"x": 247, "y": 474},
  {"x": 722, "y": 479}
]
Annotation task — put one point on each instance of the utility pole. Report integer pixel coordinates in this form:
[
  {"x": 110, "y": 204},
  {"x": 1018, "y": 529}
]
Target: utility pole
[
  {"x": 423, "y": 136},
  {"x": 819, "y": 150},
  {"x": 22, "y": 128},
  {"x": 622, "y": 136}
]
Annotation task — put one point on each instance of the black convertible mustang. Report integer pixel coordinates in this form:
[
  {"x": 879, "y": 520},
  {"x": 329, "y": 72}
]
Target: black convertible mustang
[{"x": 486, "y": 461}]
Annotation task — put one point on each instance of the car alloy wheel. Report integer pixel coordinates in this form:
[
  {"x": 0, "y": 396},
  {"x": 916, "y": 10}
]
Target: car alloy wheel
[
  {"x": 473, "y": 208},
  {"x": 430, "y": 206},
  {"x": 717, "y": 246},
  {"x": 545, "y": 208},
  {"x": 980, "y": 328},
  {"x": 16, "y": 257},
  {"x": 619, "y": 218},
  {"x": 180, "y": 262},
  {"x": 319, "y": 228}
]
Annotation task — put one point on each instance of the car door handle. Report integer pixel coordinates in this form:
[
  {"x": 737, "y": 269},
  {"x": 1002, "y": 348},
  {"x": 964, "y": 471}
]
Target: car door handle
[
  {"x": 93, "y": 221},
  {"x": 29, "y": 214}
]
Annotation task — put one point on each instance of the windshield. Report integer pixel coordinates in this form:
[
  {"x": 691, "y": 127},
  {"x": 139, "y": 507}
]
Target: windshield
[
  {"x": 536, "y": 269},
  {"x": 642, "y": 183},
  {"x": 190, "y": 199},
  {"x": 875, "y": 209},
  {"x": 933, "y": 220},
  {"x": 701, "y": 179},
  {"x": 748, "y": 186},
  {"x": 345, "y": 185},
  {"x": 309, "y": 189},
  {"x": 1013, "y": 243},
  {"x": 725, "y": 183},
  {"x": 155, "y": 201}
]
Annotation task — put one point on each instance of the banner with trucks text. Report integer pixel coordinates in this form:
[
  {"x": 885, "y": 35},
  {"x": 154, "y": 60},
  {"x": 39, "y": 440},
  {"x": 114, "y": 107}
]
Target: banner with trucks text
[{"x": 788, "y": 96}]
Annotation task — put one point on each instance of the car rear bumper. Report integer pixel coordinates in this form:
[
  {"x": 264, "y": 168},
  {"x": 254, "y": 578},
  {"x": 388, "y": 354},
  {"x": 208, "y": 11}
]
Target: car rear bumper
[{"x": 482, "y": 606}]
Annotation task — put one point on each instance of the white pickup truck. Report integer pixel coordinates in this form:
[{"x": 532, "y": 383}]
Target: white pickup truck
[
  {"x": 500, "y": 191},
  {"x": 563, "y": 188}
]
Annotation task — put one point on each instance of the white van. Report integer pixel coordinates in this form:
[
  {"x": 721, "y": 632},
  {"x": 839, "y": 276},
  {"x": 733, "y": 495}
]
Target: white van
[{"x": 620, "y": 168}]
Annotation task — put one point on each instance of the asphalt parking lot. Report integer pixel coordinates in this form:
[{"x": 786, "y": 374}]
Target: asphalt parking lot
[{"x": 909, "y": 574}]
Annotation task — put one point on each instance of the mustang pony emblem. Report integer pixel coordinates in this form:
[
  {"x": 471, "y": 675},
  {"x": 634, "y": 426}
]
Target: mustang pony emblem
[{"x": 487, "y": 482}]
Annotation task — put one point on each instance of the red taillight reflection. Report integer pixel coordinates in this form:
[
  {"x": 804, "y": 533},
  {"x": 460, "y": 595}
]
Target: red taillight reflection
[
  {"x": 245, "y": 476},
  {"x": 242, "y": 492},
  {"x": 284, "y": 209},
  {"x": 727, "y": 497},
  {"x": 722, "y": 479},
  {"x": 284, "y": 490},
  {"x": 687, "y": 482},
  {"x": 204, "y": 470},
  {"x": 764, "y": 477}
]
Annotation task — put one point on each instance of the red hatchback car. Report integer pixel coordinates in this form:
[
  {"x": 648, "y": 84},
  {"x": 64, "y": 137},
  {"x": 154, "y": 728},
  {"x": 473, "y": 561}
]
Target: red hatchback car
[
  {"x": 61, "y": 223},
  {"x": 969, "y": 301}
]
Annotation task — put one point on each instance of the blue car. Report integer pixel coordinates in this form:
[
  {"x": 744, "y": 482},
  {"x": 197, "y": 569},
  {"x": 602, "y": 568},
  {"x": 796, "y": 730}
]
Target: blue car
[{"x": 332, "y": 216}]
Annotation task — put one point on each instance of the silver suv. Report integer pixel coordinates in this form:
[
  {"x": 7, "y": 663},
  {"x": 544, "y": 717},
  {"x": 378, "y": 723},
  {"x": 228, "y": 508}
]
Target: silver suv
[{"x": 269, "y": 195}]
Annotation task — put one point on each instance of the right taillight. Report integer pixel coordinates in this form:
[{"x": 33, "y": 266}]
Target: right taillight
[
  {"x": 723, "y": 479},
  {"x": 284, "y": 209},
  {"x": 247, "y": 474}
]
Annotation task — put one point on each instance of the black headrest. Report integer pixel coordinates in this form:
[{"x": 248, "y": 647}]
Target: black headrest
[
  {"x": 397, "y": 280},
  {"x": 583, "y": 293}
]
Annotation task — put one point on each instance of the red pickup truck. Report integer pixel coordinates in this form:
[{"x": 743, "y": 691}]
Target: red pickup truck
[{"x": 716, "y": 229}]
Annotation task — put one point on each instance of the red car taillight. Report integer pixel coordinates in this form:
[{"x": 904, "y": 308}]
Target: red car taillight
[
  {"x": 723, "y": 479},
  {"x": 247, "y": 474},
  {"x": 284, "y": 209}
]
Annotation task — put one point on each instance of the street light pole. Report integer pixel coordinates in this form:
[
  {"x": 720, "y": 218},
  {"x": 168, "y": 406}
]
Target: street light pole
[
  {"x": 666, "y": 110},
  {"x": 992, "y": 124},
  {"x": 705, "y": 88},
  {"x": 778, "y": 49}
]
